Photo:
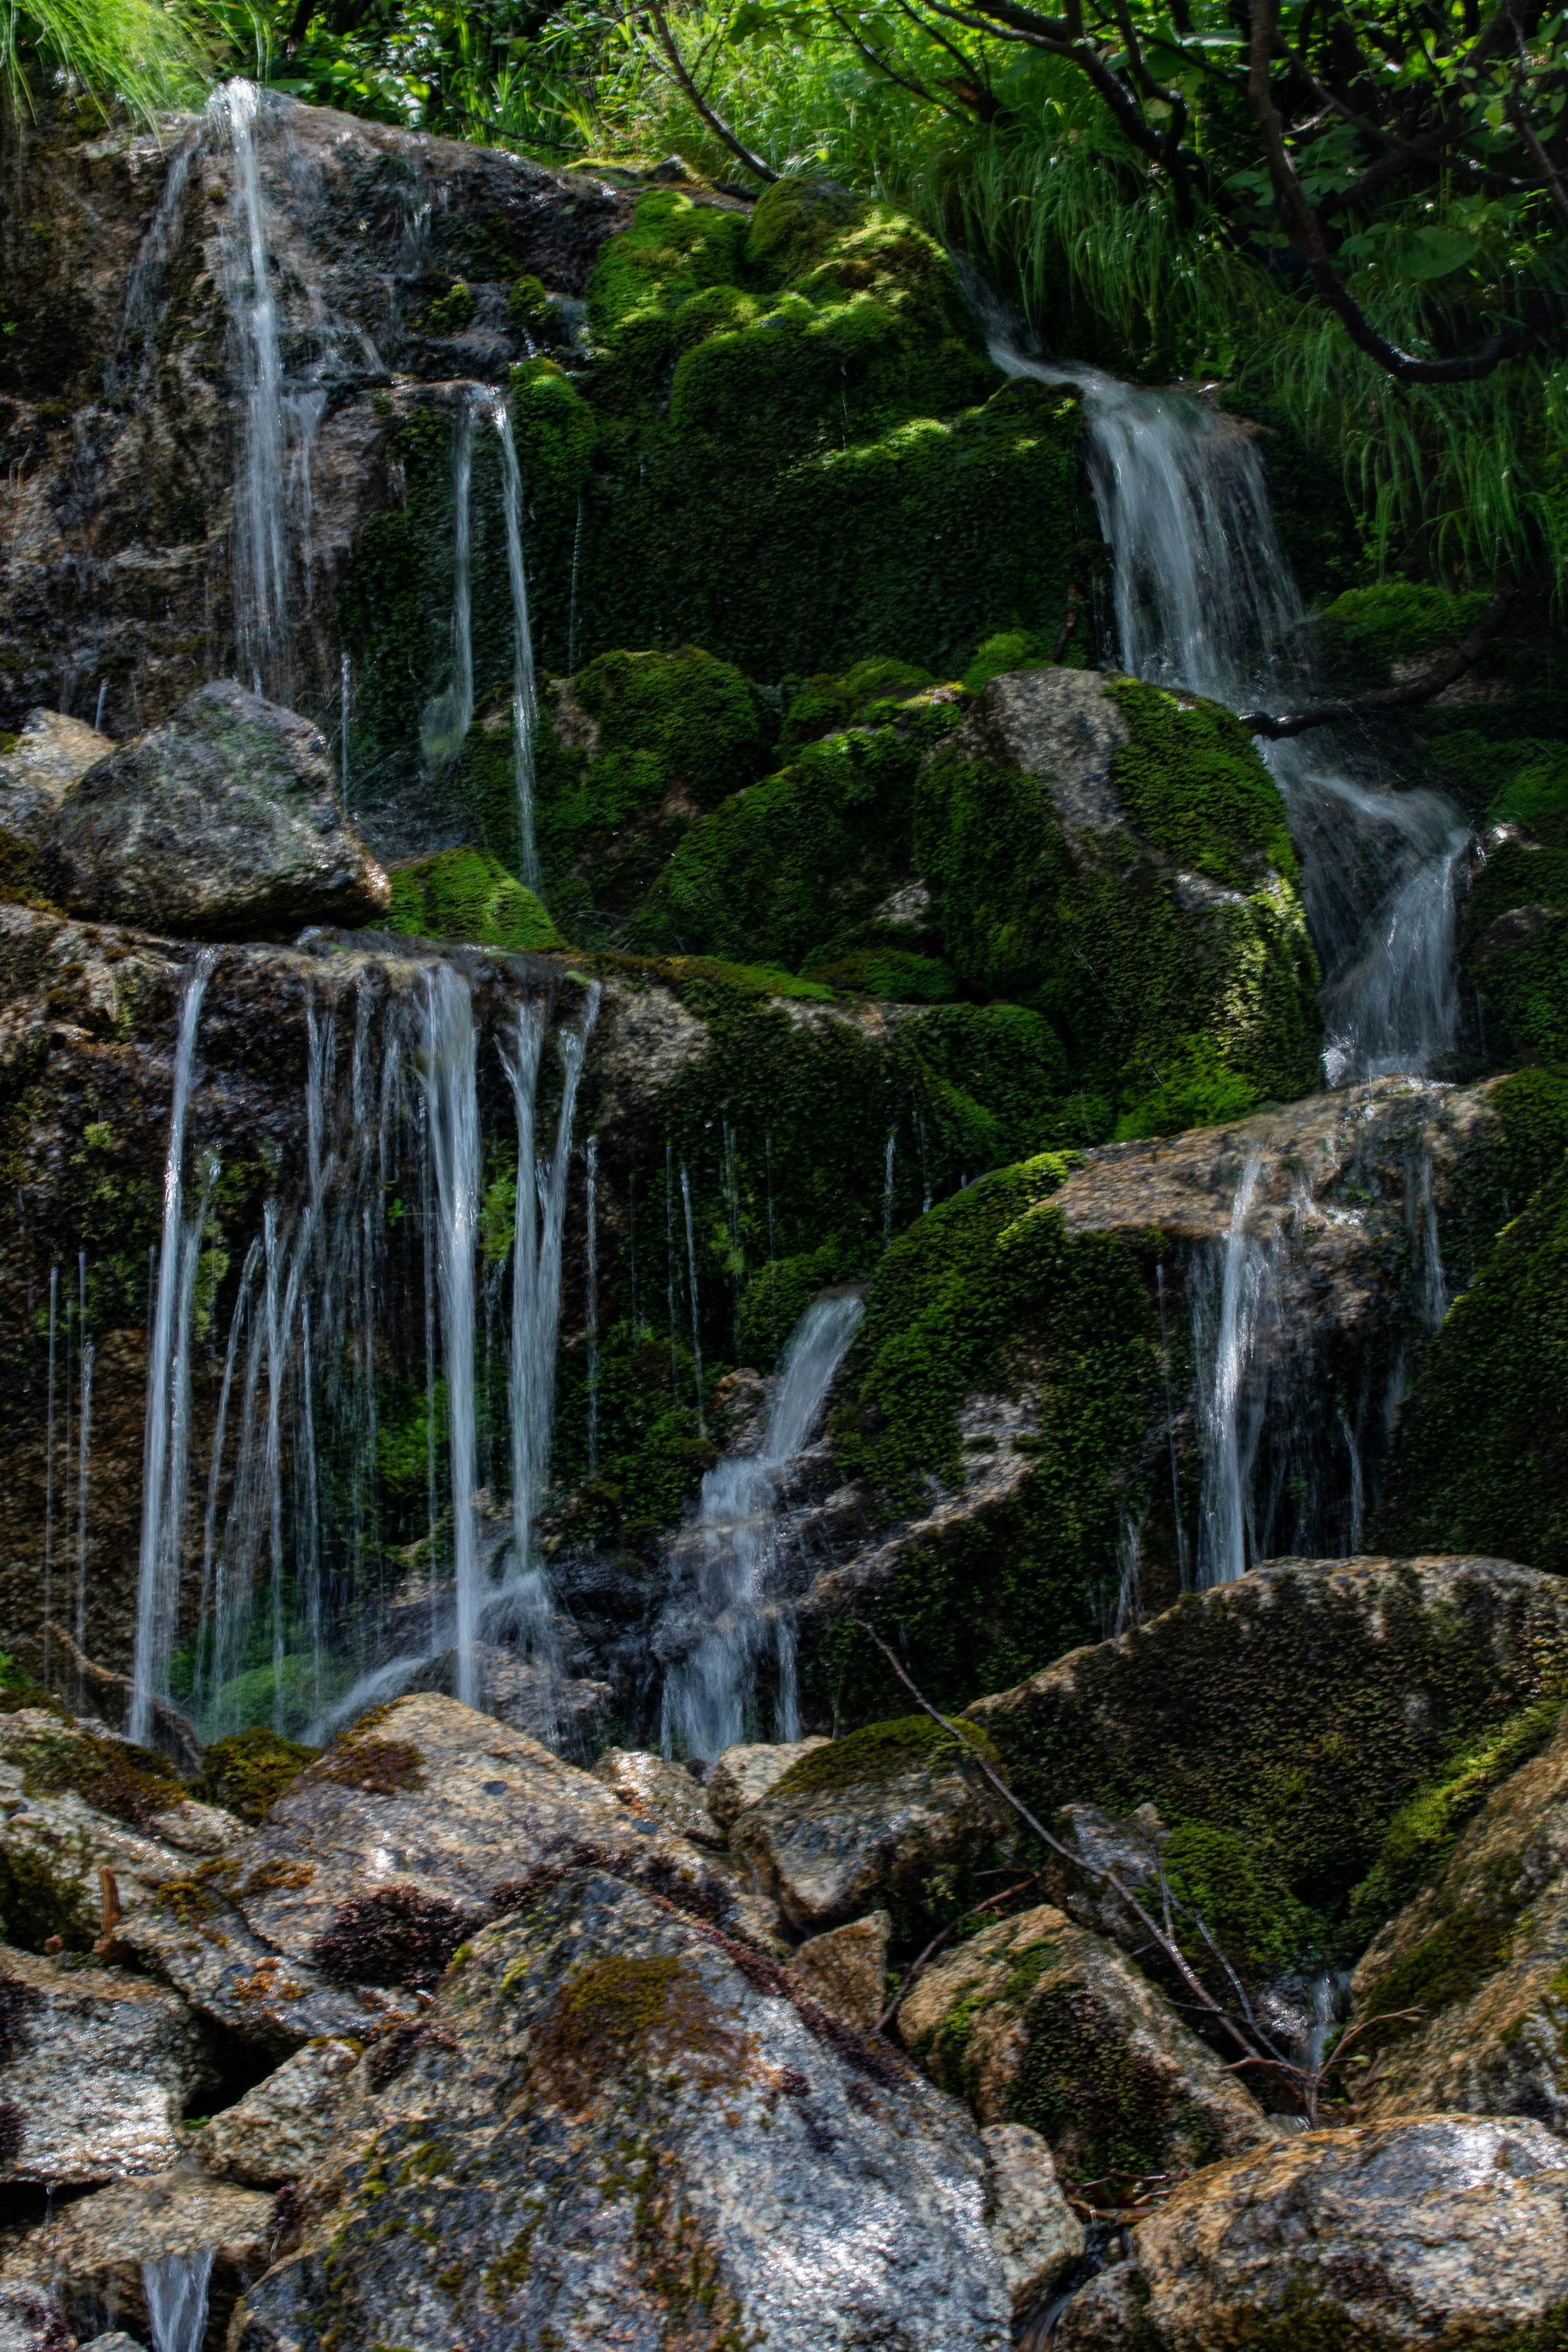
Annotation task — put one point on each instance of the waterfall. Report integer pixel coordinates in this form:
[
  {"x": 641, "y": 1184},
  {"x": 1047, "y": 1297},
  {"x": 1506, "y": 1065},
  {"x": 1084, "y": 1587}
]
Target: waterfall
[
  {"x": 888, "y": 1190},
  {"x": 167, "y": 1436},
  {"x": 1204, "y": 600},
  {"x": 591, "y": 1334},
  {"x": 175, "y": 2288},
  {"x": 444, "y": 721},
  {"x": 691, "y": 1292},
  {"x": 84, "y": 1458},
  {"x": 262, "y": 560},
  {"x": 524, "y": 691},
  {"x": 450, "y": 1079},
  {"x": 726, "y": 1555},
  {"x": 1226, "y": 1339}
]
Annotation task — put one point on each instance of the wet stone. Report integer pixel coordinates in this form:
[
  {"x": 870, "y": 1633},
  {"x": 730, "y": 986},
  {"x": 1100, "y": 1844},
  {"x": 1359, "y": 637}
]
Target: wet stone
[{"x": 96, "y": 2070}]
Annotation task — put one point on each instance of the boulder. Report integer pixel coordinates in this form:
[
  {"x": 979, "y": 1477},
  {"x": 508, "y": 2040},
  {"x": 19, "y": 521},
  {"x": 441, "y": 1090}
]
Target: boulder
[
  {"x": 1036, "y": 2021},
  {"x": 282, "y": 2127},
  {"x": 224, "y": 822},
  {"x": 96, "y": 2070},
  {"x": 75, "y": 1799},
  {"x": 658, "y": 1791},
  {"x": 116, "y": 2341},
  {"x": 1295, "y": 1710},
  {"x": 1035, "y": 2231},
  {"x": 1441, "y": 2231},
  {"x": 1483, "y": 1952},
  {"x": 607, "y": 2130},
  {"x": 174, "y": 2236},
  {"x": 862, "y": 1819},
  {"x": 743, "y": 1776},
  {"x": 342, "y": 1906},
  {"x": 44, "y": 760},
  {"x": 53, "y": 1661},
  {"x": 847, "y": 1970},
  {"x": 1061, "y": 726}
]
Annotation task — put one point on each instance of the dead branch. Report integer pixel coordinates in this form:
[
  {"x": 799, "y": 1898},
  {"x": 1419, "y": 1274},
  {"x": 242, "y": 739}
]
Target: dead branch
[{"x": 1394, "y": 698}]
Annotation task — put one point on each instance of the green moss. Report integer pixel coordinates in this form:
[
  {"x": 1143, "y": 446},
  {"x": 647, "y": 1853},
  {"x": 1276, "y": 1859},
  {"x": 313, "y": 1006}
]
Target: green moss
[
  {"x": 1449, "y": 1965},
  {"x": 554, "y": 430},
  {"x": 529, "y": 311},
  {"x": 132, "y": 1784},
  {"x": 1515, "y": 943},
  {"x": 247, "y": 1772},
  {"x": 38, "y": 1901},
  {"x": 1195, "y": 785},
  {"x": 1120, "y": 2110},
  {"x": 1244, "y": 1897},
  {"x": 450, "y": 312},
  {"x": 1398, "y": 619},
  {"x": 1480, "y": 1459},
  {"x": 1010, "y": 649},
  {"x": 824, "y": 705},
  {"x": 383, "y": 1768},
  {"x": 880, "y": 1752},
  {"x": 466, "y": 894}
]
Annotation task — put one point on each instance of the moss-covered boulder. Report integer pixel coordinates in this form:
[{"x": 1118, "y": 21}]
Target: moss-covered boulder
[
  {"x": 1035, "y": 2020},
  {"x": 465, "y": 895},
  {"x": 1481, "y": 1955},
  {"x": 1297, "y": 1709}
]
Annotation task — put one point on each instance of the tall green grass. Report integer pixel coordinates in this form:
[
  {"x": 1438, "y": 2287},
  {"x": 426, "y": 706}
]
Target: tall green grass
[{"x": 133, "y": 53}]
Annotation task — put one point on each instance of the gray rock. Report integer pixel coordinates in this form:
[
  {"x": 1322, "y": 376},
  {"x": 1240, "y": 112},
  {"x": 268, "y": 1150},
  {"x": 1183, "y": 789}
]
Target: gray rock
[
  {"x": 1440, "y": 2231},
  {"x": 607, "y": 2133},
  {"x": 1055, "y": 724},
  {"x": 655, "y": 1791},
  {"x": 117, "y": 2342},
  {"x": 1484, "y": 1951},
  {"x": 224, "y": 822},
  {"x": 1036, "y": 2021},
  {"x": 95, "y": 2069},
  {"x": 847, "y": 1970},
  {"x": 1036, "y": 2235},
  {"x": 32, "y": 2320},
  {"x": 283, "y": 2128},
  {"x": 48, "y": 755},
  {"x": 97, "y": 2254},
  {"x": 831, "y": 1841},
  {"x": 743, "y": 1776}
]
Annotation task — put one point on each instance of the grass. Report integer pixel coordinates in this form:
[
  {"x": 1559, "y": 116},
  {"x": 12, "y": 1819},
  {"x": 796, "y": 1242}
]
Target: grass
[{"x": 131, "y": 53}]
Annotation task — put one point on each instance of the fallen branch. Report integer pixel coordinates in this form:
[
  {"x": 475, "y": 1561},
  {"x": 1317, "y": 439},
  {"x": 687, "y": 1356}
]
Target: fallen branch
[{"x": 1394, "y": 697}]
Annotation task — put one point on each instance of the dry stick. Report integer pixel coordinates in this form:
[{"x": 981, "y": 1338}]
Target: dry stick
[
  {"x": 944, "y": 1936},
  {"x": 1395, "y": 698}
]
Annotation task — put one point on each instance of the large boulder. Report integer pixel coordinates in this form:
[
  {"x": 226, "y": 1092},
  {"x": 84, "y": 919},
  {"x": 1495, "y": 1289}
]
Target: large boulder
[
  {"x": 1037, "y": 2021},
  {"x": 340, "y": 1909},
  {"x": 38, "y": 767},
  {"x": 1441, "y": 2232},
  {"x": 225, "y": 822},
  {"x": 284, "y": 2126},
  {"x": 1483, "y": 1954},
  {"x": 742, "y": 1777},
  {"x": 614, "y": 2126},
  {"x": 96, "y": 2070},
  {"x": 1292, "y": 1712},
  {"x": 173, "y": 2237},
  {"x": 865, "y": 1817}
]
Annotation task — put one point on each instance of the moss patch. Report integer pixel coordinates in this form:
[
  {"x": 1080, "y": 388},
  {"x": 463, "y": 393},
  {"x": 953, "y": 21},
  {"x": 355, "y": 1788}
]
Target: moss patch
[
  {"x": 382, "y": 1767},
  {"x": 133, "y": 1784},
  {"x": 467, "y": 894},
  {"x": 881, "y": 1752},
  {"x": 247, "y": 1772}
]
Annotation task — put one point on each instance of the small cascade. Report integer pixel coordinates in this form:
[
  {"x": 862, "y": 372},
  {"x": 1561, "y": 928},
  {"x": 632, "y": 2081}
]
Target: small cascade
[
  {"x": 166, "y": 1448},
  {"x": 136, "y": 357},
  {"x": 524, "y": 687},
  {"x": 888, "y": 1190},
  {"x": 261, "y": 563},
  {"x": 1204, "y": 600},
  {"x": 1231, "y": 1408},
  {"x": 175, "y": 2289},
  {"x": 444, "y": 724},
  {"x": 719, "y": 1613},
  {"x": 450, "y": 1075},
  {"x": 691, "y": 1292},
  {"x": 84, "y": 1457}
]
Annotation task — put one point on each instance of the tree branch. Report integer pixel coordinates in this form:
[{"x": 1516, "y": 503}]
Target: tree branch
[
  {"x": 1394, "y": 698},
  {"x": 716, "y": 124}
]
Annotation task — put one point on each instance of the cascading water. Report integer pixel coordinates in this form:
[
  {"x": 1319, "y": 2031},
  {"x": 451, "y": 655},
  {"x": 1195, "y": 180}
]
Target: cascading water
[
  {"x": 261, "y": 562},
  {"x": 450, "y": 1078},
  {"x": 1205, "y": 601},
  {"x": 722, "y": 1564},
  {"x": 524, "y": 688},
  {"x": 176, "y": 2288},
  {"x": 446, "y": 717},
  {"x": 1226, "y": 1329}
]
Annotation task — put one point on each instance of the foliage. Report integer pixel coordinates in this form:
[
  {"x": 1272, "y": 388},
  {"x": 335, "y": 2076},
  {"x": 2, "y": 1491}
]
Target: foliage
[
  {"x": 1515, "y": 943},
  {"x": 130, "y": 53}
]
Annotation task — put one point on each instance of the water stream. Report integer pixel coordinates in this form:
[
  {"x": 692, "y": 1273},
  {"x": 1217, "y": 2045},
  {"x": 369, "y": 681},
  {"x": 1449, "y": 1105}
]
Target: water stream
[{"x": 720, "y": 1613}]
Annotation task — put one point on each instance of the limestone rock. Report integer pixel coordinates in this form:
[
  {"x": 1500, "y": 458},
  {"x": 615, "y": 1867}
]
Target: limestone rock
[
  {"x": 32, "y": 2320},
  {"x": 1484, "y": 1951},
  {"x": 743, "y": 1776},
  {"x": 95, "y": 2069},
  {"x": 1033, "y": 2227},
  {"x": 224, "y": 822},
  {"x": 847, "y": 1970},
  {"x": 97, "y": 2252},
  {"x": 1435, "y": 2231},
  {"x": 50, "y": 752},
  {"x": 1039, "y": 2021},
  {"x": 607, "y": 2132},
  {"x": 834, "y": 1837},
  {"x": 1058, "y": 725},
  {"x": 282, "y": 2127},
  {"x": 655, "y": 1791}
]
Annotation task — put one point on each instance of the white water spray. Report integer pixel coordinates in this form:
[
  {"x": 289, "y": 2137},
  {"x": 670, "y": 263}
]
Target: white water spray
[
  {"x": 444, "y": 724},
  {"x": 524, "y": 687},
  {"x": 450, "y": 1078}
]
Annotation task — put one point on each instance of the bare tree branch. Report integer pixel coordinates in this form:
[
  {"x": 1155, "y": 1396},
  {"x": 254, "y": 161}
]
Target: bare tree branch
[
  {"x": 716, "y": 124},
  {"x": 1394, "y": 698}
]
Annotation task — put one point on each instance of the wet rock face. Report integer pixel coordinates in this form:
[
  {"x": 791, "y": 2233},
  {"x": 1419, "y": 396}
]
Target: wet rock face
[
  {"x": 1032, "y": 2226},
  {"x": 32, "y": 2320},
  {"x": 283, "y": 2128},
  {"x": 1440, "y": 2231},
  {"x": 1035, "y": 2021},
  {"x": 1483, "y": 1953},
  {"x": 744, "y": 1775},
  {"x": 859, "y": 1820},
  {"x": 96, "y": 2070},
  {"x": 1055, "y": 724},
  {"x": 225, "y": 823},
  {"x": 608, "y": 2131},
  {"x": 107, "y": 2252},
  {"x": 49, "y": 756}
]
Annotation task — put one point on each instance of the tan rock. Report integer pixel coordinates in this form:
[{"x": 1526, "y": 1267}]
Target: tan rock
[
  {"x": 50, "y": 752},
  {"x": 100, "y": 2250},
  {"x": 655, "y": 1791},
  {"x": 95, "y": 2069},
  {"x": 1437, "y": 2231},
  {"x": 1035, "y": 2231},
  {"x": 743, "y": 1776},
  {"x": 1036, "y": 2020},
  {"x": 282, "y": 2127},
  {"x": 847, "y": 1970}
]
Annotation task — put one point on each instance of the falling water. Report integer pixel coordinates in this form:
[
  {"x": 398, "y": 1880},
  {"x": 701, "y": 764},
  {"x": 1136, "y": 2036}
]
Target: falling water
[
  {"x": 692, "y": 1282},
  {"x": 446, "y": 717},
  {"x": 524, "y": 691},
  {"x": 84, "y": 1459},
  {"x": 887, "y": 1190},
  {"x": 1205, "y": 601},
  {"x": 591, "y": 1332},
  {"x": 175, "y": 2289},
  {"x": 1222, "y": 1533},
  {"x": 167, "y": 1434},
  {"x": 724, "y": 1559},
  {"x": 261, "y": 566},
  {"x": 343, "y": 724},
  {"x": 450, "y": 1079}
]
